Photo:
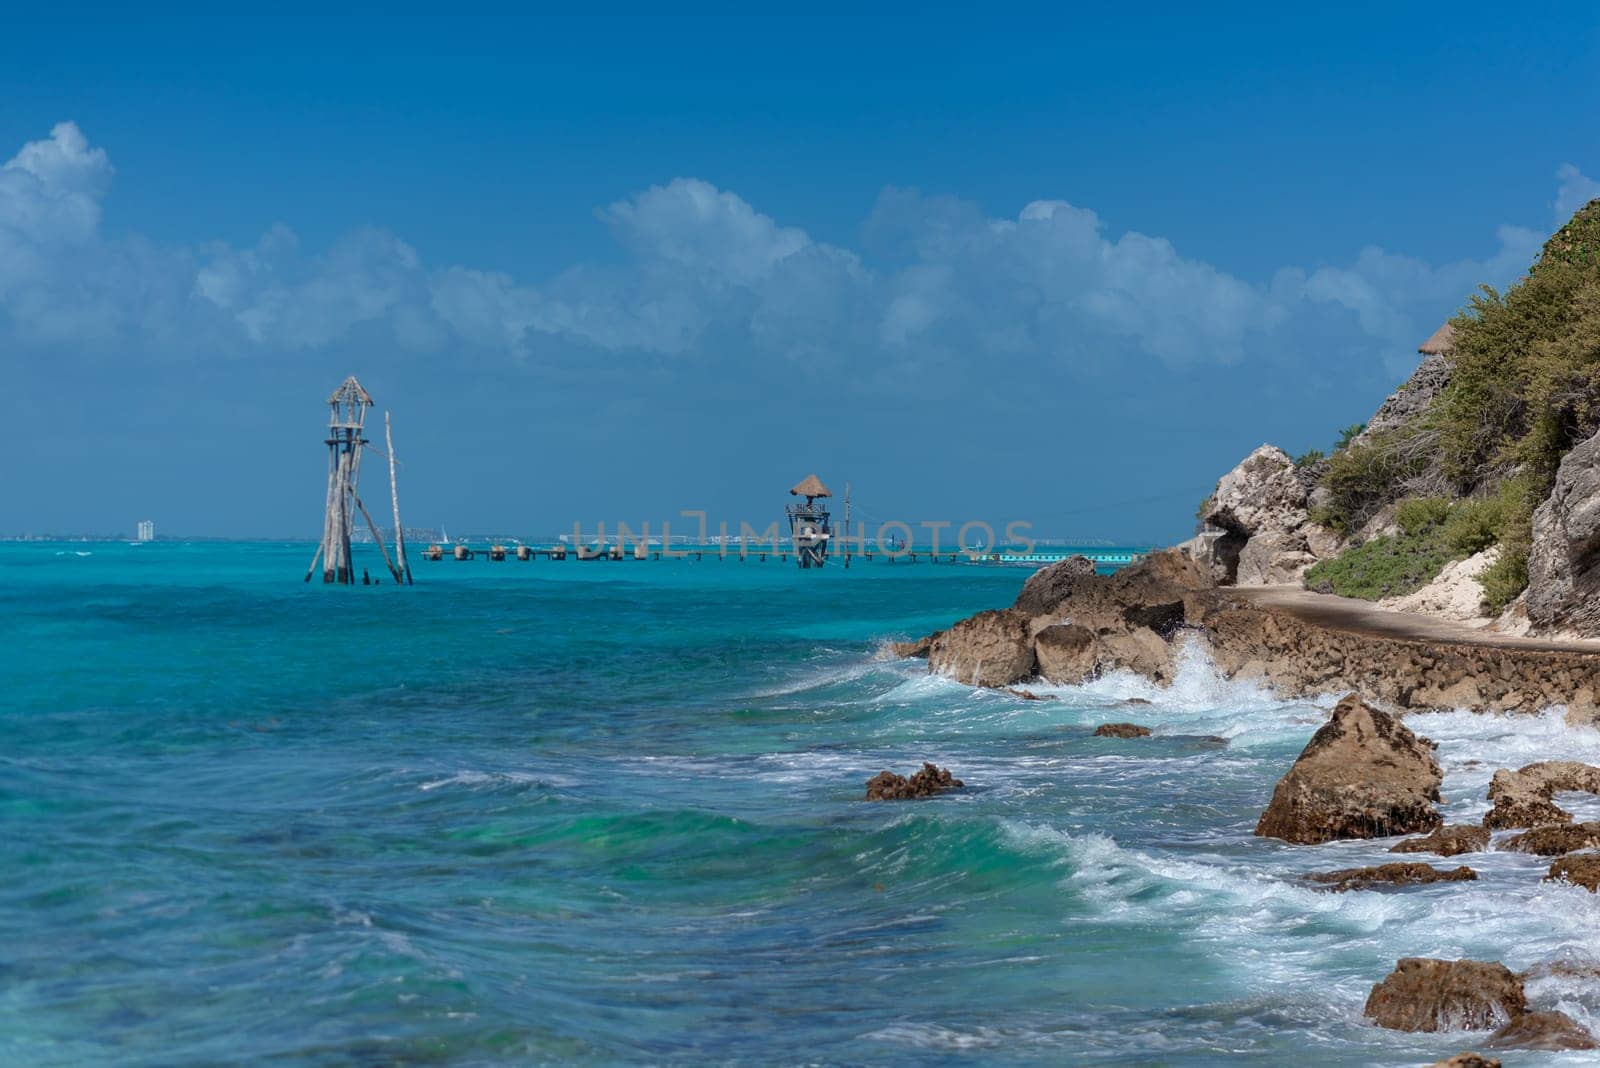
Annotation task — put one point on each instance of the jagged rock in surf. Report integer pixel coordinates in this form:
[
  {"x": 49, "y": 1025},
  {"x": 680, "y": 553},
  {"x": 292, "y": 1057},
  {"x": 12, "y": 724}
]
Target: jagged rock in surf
[
  {"x": 917, "y": 649},
  {"x": 930, "y": 780},
  {"x": 1121, "y": 730},
  {"x": 1579, "y": 869},
  {"x": 1362, "y": 775},
  {"x": 1525, "y": 797},
  {"x": 1554, "y": 839},
  {"x": 1447, "y": 841},
  {"x": 1029, "y": 695},
  {"x": 1424, "y": 994},
  {"x": 1402, "y": 874},
  {"x": 993, "y": 648},
  {"x": 1066, "y": 653},
  {"x": 1544, "y": 1031}
]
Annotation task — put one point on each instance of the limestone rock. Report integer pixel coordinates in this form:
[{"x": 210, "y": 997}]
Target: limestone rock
[
  {"x": 1256, "y": 526},
  {"x": 1274, "y": 557},
  {"x": 1121, "y": 730},
  {"x": 1524, "y": 798},
  {"x": 1447, "y": 841},
  {"x": 1142, "y": 650},
  {"x": 1050, "y": 586},
  {"x": 1407, "y": 874},
  {"x": 1564, "y": 562},
  {"x": 1555, "y": 839},
  {"x": 993, "y": 648},
  {"x": 1455, "y": 593},
  {"x": 930, "y": 780},
  {"x": 1262, "y": 492},
  {"x": 1542, "y": 1030},
  {"x": 1362, "y": 775},
  {"x": 1066, "y": 653},
  {"x": 1579, "y": 869},
  {"x": 915, "y": 649},
  {"x": 1422, "y": 994},
  {"x": 1411, "y": 399}
]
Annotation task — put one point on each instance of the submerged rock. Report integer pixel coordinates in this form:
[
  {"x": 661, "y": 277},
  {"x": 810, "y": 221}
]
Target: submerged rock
[
  {"x": 1467, "y": 1060},
  {"x": 1447, "y": 841},
  {"x": 1362, "y": 775},
  {"x": 1121, "y": 730},
  {"x": 931, "y": 780},
  {"x": 1423, "y": 994},
  {"x": 1555, "y": 839},
  {"x": 1400, "y": 874},
  {"x": 1525, "y": 798},
  {"x": 1580, "y": 869},
  {"x": 1029, "y": 695},
  {"x": 1542, "y": 1030}
]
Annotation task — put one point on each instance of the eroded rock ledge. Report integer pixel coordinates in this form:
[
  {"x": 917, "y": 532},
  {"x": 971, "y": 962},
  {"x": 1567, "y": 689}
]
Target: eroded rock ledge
[{"x": 1071, "y": 624}]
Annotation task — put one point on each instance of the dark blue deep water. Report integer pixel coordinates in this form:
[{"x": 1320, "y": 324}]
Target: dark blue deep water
[{"x": 610, "y": 813}]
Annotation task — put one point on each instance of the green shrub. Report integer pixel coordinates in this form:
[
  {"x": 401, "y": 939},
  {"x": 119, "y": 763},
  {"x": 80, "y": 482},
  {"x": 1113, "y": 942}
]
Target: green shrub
[
  {"x": 1418, "y": 514},
  {"x": 1361, "y": 479},
  {"x": 1386, "y": 566},
  {"x": 1310, "y": 458}
]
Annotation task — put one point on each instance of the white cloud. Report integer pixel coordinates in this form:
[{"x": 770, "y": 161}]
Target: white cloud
[
  {"x": 708, "y": 276},
  {"x": 1575, "y": 191}
]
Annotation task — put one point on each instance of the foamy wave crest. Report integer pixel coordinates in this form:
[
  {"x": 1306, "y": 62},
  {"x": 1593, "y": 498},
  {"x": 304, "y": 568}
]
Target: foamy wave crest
[{"x": 1274, "y": 930}]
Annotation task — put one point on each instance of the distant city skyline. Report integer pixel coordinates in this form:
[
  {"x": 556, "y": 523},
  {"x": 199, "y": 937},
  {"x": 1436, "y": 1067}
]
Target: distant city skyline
[{"x": 980, "y": 266}]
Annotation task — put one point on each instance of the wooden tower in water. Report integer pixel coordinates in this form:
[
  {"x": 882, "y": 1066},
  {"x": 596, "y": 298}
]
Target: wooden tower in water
[
  {"x": 346, "y": 442},
  {"x": 810, "y": 526}
]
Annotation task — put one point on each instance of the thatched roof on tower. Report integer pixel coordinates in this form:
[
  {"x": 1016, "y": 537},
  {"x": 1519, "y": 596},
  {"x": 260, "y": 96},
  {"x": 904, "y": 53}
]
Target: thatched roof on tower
[
  {"x": 810, "y": 486},
  {"x": 1439, "y": 342},
  {"x": 350, "y": 392}
]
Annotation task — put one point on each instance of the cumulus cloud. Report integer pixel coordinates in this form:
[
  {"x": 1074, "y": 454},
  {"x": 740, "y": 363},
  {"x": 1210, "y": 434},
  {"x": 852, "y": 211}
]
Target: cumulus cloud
[{"x": 708, "y": 276}]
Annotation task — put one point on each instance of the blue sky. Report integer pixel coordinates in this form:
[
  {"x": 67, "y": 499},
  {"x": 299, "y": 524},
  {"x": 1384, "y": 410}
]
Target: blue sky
[{"x": 1047, "y": 266}]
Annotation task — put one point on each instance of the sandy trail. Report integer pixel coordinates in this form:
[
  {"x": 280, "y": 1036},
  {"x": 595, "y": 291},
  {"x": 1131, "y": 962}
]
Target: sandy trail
[{"x": 1362, "y": 617}]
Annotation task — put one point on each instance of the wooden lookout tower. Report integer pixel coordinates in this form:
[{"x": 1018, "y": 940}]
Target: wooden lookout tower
[
  {"x": 810, "y": 526},
  {"x": 346, "y": 442}
]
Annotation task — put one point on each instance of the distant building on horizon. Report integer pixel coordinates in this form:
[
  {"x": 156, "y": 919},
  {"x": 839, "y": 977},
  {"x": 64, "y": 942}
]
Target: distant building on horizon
[{"x": 147, "y": 530}]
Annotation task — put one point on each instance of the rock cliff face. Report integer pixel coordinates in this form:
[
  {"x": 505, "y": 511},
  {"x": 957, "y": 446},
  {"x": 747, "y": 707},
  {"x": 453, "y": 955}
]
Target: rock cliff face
[
  {"x": 1564, "y": 563},
  {"x": 1256, "y": 528},
  {"x": 1411, "y": 399},
  {"x": 1362, "y": 775}
]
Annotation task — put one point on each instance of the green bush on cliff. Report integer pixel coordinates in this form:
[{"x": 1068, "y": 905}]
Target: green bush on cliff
[
  {"x": 1433, "y": 532},
  {"x": 1524, "y": 389},
  {"x": 1386, "y": 566}
]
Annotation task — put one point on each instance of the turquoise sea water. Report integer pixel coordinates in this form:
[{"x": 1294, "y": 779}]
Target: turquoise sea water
[{"x": 610, "y": 813}]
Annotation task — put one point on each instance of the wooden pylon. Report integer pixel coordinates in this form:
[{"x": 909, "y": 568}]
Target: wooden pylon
[{"x": 346, "y": 441}]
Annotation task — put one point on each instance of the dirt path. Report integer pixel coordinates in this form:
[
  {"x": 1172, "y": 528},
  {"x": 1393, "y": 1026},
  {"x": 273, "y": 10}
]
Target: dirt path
[{"x": 1362, "y": 617}]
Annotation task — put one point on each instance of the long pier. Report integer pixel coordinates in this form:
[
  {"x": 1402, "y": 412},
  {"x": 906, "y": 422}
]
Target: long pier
[{"x": 1104, "y": 558}]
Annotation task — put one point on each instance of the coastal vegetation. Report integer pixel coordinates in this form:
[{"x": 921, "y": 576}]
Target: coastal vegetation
[{"x": 1523, "y": 389}]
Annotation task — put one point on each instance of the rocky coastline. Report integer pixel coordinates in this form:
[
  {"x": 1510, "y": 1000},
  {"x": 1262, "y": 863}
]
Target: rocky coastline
[{"x": 1245, "y": 590}]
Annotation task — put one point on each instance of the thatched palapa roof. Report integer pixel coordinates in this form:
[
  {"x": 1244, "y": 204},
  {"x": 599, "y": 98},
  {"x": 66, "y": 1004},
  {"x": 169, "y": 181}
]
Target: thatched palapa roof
[
  {"x": 1440, "y": 342},
  {"x": 810, "y": 486},
  {"x": 350, "y": 392}
]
